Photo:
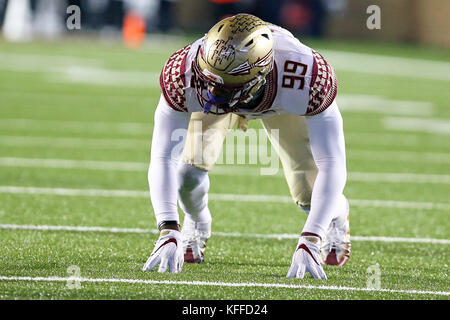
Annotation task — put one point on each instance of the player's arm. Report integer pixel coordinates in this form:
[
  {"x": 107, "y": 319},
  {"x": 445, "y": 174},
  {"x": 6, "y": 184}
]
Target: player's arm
[
  {"x": 169, "y": 132},
  {"x": 170, "y": 127},
  {"x": 327, "y": 142},
  {"x": 328, "y": 149}
]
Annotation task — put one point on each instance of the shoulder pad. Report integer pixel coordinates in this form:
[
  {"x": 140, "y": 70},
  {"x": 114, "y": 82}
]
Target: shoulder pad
[
  {"x": 323, "y": 88},
  {"x": 173, "y": 80}
]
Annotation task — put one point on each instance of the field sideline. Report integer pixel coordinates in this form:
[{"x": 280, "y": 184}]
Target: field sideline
[{"x": 76, "y": 120}]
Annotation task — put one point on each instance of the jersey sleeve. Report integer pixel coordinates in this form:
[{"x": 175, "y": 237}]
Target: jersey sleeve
[
  {"x": 323, "y": 87},
  {"x": 173, "y": 80}
]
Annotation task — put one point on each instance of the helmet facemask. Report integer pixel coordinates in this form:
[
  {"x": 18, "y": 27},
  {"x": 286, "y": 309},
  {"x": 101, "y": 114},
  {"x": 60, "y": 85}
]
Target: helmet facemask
[{"x": 225, "y": 98}]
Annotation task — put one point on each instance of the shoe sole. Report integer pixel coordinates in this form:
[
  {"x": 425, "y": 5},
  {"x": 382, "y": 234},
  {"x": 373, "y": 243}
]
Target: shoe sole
[
  {"x": 332, "y": 260},
  {"x": 189, "y": 257}
]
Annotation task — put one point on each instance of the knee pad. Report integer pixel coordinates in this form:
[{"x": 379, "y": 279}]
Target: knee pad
[
  {"x": 191, "y": 178},
  {"x": 193, "y": 190}
]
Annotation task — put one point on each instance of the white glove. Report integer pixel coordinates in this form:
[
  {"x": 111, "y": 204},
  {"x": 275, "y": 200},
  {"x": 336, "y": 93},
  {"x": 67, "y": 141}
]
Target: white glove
[
  {"x": 168, "y": 250},
  {"x": 307, "y": 259}
]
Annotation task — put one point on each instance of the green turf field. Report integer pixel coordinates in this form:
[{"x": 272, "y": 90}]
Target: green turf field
[{"x": 76, "y": 121}]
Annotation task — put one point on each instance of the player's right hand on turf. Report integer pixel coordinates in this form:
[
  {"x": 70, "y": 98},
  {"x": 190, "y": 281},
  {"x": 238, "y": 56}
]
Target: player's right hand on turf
[
  {"x": 168, "y": 252},
  {"x": 307, "y": 259}
]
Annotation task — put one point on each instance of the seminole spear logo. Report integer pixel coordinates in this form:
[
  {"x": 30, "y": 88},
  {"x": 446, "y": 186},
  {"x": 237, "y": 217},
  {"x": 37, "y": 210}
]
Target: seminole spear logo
[{"x": 244, "y": 68}]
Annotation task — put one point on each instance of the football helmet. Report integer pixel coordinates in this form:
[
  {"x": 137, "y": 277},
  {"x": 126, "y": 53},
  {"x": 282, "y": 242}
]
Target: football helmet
[{"x": 232, "y": 62}]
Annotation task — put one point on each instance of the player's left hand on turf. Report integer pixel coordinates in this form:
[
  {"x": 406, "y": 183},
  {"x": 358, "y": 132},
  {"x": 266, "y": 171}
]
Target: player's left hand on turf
[
  {"x": 168, "y": 252},
  {"x": 307, "y": 259}
]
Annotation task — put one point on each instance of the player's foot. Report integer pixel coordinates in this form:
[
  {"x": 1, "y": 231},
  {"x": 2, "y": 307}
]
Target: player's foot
[
  {"x": 336, "y": 246},
  {"x": 195, "y": 235}
]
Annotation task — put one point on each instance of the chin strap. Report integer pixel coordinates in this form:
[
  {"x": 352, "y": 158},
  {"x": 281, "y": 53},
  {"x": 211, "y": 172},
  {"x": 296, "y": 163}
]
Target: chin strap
[{"x": 212, "y": 100}]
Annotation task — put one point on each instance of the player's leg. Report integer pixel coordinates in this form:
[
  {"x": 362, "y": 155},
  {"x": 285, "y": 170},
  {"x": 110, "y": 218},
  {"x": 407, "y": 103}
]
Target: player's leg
[
  {"x": 203, "y": 146},
  {"x": 193, "y": 200},
  {"x": 336, "y": 245},
  {"x": 293, "y": 146},
  {"x": 288, "y": 134}
]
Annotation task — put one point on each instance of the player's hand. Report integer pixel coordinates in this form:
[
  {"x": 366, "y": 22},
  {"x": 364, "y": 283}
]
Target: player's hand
[
  {"x": 307, "y": 259},
  {"x": 168, "y": 252}
]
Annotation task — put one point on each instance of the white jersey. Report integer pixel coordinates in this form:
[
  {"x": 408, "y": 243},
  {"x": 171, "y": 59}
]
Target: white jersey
[{"x": 301, "y": 82}]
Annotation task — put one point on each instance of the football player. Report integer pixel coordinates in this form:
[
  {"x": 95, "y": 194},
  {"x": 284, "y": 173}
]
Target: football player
[{"x": 242, "y": 69}]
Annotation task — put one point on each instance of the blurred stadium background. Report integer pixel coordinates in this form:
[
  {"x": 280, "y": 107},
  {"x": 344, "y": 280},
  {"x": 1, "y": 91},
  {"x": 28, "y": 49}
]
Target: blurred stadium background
[
  {"x": 76, "y": 119},
  {"x": 411, "y": 21}
]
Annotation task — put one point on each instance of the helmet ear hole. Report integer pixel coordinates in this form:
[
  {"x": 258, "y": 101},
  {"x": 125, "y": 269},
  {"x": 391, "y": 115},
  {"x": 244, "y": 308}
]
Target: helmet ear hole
[{"x": 249, "y": 43}]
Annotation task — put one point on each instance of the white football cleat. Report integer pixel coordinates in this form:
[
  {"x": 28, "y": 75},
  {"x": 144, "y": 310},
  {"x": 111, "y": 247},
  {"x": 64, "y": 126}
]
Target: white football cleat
[
  {"x": 194, "y": 236},
  {"x": 336, "y": 246},
  {"x": 307, "y": 259}
]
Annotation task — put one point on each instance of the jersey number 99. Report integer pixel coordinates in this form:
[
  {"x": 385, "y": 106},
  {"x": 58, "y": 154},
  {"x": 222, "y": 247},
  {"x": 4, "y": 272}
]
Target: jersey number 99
[{"x": 289, "y": 79}]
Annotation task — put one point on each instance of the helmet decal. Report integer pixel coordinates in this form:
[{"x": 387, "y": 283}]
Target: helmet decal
[
  {"x": 212, "y": 76},
  {"x": 221, "y": 54},
  {"x": 245, "y": 67},
  {"x": 245, "y": 22}
]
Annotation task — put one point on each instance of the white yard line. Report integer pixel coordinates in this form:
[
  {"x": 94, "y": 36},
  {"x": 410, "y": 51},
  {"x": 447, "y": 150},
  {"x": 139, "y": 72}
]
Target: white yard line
[
  {"x": 390, "y": 177},
  {"x": 388, "y": 65},
  {"x": 400, "y": 204},
  {"x": 354, "y": 103},
  {"x": 216, "y": 197},
  {"x": 433, "y": 126},
  {"x": 94, "y": 71},
  {"x": 78, "y": 70},
  {"x": 398, "y": 156},
  {"x": 42, "y": 63},
  {"x": 394, "y": 139},
  {"x": 75, "y": 228},
  {"x": 364, "y": 138},
  {"x": 52, "y": 94},
  {"x": 381, "y": 105},
  {"x": 131, "y": 128},
  {"x": 217, "y": 170},
  {"x": 75, "y": 192},
  {"x": 399, "y": 177},
  {"x": 105, "y": 77},
  {"x": 221, "y": 284},
  {"x": 71, "y": 143},
  {"x": 73, "y": 164},
  {"x": 281, "y": 236}
]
